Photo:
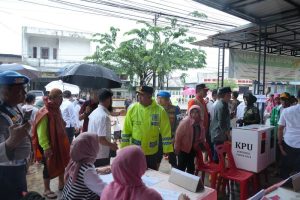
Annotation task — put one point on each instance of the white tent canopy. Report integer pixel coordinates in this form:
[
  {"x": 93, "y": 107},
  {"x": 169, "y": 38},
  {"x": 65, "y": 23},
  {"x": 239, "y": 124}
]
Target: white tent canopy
[{"x": 74, "y": 89}]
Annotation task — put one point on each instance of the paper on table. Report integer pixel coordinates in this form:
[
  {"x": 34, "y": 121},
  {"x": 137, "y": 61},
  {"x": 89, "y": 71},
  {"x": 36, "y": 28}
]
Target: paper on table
[
  {"x": 168, "y": 194},
  {"x": 107, "y": 178},
  {"x": 148, "y": 180}
]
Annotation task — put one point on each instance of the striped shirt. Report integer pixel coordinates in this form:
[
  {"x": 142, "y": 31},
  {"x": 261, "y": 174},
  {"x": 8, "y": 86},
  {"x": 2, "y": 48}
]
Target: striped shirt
[{"x": 79, "y": 190}]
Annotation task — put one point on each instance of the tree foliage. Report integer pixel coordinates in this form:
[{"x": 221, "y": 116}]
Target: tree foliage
[
  {"x": 227, "y": 83},
  {"x": 150, "y": 50}
]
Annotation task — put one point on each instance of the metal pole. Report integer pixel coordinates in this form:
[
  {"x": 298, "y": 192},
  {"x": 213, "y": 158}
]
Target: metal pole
[
  {"x": 259, "y": 59},
  {"x": 265, "y": 56},
  {"x": 223, "y": 60},
  {"x": 219, "y": 67}
]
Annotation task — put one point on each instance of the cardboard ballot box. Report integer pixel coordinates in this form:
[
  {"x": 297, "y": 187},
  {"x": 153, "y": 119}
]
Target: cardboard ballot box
[{"x": 253, "y": 147}]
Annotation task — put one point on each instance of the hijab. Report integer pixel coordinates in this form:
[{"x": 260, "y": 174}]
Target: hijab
[{"x": 84, "y": 149}]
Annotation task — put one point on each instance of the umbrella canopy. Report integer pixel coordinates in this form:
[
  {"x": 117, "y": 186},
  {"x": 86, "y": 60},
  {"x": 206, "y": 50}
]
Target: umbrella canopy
[
  {"x": 91, "y": 76},
  {"x": 74, "y": 89},
  {"x": 26, "y": 70},
  {"x": 189, "y": 91}
]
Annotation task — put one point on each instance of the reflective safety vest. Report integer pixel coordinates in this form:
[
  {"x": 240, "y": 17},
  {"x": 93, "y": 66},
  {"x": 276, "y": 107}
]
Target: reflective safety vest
[{"x": 143, "y": 125}]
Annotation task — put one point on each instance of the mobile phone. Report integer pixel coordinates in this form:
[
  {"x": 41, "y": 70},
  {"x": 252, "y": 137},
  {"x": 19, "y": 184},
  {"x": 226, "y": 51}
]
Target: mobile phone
[{"x": 27, "y": 116}]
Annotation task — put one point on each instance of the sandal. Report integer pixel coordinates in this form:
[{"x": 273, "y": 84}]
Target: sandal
[{"x": 50, "y": 195}]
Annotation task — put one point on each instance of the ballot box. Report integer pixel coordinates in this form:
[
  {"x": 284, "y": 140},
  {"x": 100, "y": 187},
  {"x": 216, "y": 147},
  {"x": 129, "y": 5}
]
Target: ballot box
[{"x": 253, "y": 147}]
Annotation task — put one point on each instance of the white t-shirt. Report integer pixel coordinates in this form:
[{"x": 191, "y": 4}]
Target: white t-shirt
[
  {"x": 240, "y": 110},
  {"x": 289, "y": 118},
  {"x": 100, "y": 123}
]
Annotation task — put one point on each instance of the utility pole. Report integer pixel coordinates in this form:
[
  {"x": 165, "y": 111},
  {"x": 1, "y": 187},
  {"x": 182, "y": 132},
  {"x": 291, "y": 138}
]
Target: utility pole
[{"x": 156, "y": 16}]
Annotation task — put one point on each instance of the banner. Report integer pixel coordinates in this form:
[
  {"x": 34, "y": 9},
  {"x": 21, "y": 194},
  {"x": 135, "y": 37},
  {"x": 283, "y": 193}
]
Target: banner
[{"x": 244, "y": 65}]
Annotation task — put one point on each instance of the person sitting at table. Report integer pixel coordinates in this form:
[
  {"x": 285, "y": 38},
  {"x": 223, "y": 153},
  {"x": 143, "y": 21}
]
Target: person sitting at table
[
  {"x": 127, "y": 169},
  {"x": 81, "y": 176},
  {"x": 188, "y": 138}
]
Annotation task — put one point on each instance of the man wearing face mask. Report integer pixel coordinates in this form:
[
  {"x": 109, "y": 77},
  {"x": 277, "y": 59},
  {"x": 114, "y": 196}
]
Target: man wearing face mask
[{"x": 100, "y": 123}]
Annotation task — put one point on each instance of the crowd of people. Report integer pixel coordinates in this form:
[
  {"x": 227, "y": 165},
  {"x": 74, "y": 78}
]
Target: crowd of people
[{"x": 74, "y": 142}]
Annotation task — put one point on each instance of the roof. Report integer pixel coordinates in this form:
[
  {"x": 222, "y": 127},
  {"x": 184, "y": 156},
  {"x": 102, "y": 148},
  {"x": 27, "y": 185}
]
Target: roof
[{"x": 279, "y": 21}]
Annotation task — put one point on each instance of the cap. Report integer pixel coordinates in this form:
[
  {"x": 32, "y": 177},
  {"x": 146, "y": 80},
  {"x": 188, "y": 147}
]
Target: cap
[
  {"x": 164, "y": 94},
  {"x": 12, "y": 78},
  {"x": 285, "y": 95},
  {"x": 224, "y": 90},
  {"x": 201, "y": 86},
  {"x": 145, "y": 89}
]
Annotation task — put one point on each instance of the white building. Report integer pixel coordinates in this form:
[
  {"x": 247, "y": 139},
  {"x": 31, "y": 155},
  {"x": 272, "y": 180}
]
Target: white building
[{"x": 48, "y": 48}]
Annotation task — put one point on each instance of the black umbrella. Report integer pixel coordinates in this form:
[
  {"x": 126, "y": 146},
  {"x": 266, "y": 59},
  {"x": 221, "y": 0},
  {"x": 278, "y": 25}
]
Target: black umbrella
[
  {"x": 91, "y": 76},
  {"x": 26, "y": 70}
]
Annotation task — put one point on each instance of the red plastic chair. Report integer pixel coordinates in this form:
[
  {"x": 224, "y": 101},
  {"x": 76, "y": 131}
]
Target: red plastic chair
[
  {"x": 209, "y": 166},
  {"x": 230, "y": 172}
]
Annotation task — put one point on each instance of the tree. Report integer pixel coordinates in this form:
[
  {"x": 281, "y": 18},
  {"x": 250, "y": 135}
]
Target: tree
[
  {"x": 227, "y": 83},
  {"x": 150, "y": 50}
]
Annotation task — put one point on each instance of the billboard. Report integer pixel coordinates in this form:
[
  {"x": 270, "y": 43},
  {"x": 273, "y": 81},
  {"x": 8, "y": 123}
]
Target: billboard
[{"x": 244, "y": 65}]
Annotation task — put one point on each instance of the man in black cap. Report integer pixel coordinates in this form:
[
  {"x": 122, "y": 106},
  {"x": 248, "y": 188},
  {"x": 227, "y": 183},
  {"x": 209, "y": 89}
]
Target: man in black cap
[
  {"x": 220, "y": 125},
  {"x": 144, "y": 122},
  {"x": 15, "y": 144}
]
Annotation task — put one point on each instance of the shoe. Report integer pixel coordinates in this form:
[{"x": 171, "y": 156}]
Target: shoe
[{"x": 50, "y": 195}]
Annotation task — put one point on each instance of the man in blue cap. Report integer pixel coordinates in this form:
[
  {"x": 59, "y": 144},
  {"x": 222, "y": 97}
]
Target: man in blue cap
[
  {"x": 15, "y": 144},
  {"x": 163, "y": 99}
]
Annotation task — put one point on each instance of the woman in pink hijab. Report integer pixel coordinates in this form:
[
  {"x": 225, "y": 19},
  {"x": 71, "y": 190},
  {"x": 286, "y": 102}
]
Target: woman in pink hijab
[
  {"x": 127, "y": 169},
  {"x": 81, "y": 177},
  {"x": 189, "y": 136}
]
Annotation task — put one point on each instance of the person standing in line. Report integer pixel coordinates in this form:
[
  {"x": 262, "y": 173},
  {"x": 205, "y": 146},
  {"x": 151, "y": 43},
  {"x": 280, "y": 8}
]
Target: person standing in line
[
  {"x": 144, "y": 122},
  {"x": 87, "y": 108},
  {"x": 50, "y": 140},
  {"x": 29, "y": 106},
  {"x": 163, "y": 99},
  {"x": 69, "y": 115},
  {"x": 234, "y": 104},
  {"x": 100, "y": 124},
  {"x": 220, "y": 125},
  {"x": 201, "y": 93},
  {"x": 15, "y": 144},
  {"x": 210, "y": 104},
  {"x": 289, "y": 140},
  {"x": 190, "y": 134}
]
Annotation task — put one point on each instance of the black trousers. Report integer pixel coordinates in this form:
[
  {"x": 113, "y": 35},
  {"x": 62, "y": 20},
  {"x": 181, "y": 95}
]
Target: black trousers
[
  {"x": 70, "y": 133},
  {"x": 153, "y": 161},
  {"x": 12, "y": 182},
  {"x": 290, "y": 162},
  {"x": 186, "y": 162}
]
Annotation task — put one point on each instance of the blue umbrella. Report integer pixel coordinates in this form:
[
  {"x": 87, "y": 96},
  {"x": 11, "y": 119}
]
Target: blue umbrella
[{"x": 26, "y": 70}]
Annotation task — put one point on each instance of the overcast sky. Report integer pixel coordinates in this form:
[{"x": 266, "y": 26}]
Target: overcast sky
[{"x": 14, "y": 14}]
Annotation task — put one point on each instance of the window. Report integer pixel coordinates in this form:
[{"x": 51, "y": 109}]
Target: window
[
  {"x": 44, "y": 53},
  {"x": 34, "y": 52},
  {"x": 54, "y": 53}
]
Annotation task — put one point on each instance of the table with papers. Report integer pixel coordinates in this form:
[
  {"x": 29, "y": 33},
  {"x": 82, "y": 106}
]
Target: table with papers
[{"x": 169, "y": 191}]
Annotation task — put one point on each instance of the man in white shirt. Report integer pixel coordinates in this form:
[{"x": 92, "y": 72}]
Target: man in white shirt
[
  {"x": 100, "y": 123},
  {"x": 69, "y": 115},
  {"x": 211, "y": 103},
  {"x": 289, "y": 141}
]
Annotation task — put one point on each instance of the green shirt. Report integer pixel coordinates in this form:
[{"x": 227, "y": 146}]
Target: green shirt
[
  {"x": 43, "y": 133},
  {"x": 143, "y": 125}
]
